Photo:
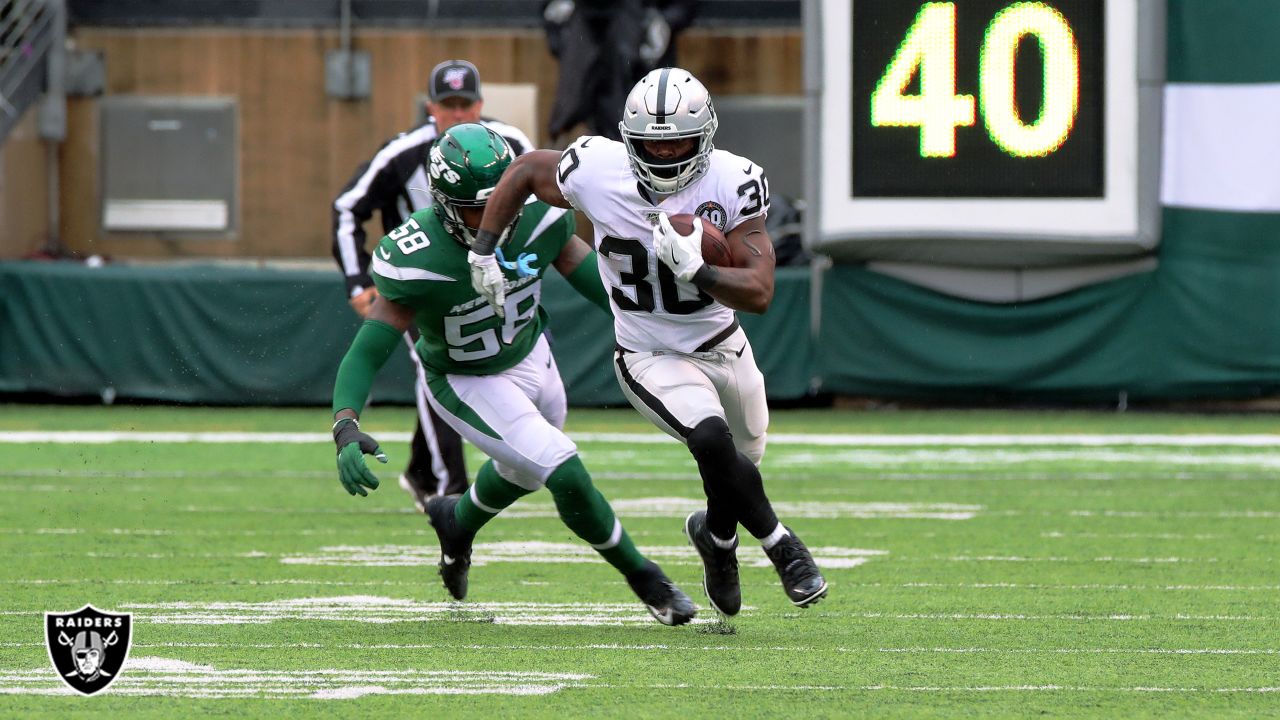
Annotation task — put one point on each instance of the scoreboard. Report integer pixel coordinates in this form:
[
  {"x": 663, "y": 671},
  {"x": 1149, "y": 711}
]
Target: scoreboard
[{"x": 993, "y": 132}]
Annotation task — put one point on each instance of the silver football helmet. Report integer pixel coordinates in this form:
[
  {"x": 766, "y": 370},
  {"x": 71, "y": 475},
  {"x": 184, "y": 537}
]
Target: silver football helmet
[{"x": 668, "y": 104}]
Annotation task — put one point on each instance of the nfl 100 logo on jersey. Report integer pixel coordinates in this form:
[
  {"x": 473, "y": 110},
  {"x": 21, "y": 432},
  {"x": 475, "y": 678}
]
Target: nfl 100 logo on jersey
[{"x": 88, "y": 647}]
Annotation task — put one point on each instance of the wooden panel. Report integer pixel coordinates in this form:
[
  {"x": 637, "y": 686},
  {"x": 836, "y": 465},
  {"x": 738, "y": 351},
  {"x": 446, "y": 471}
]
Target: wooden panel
[
  {"x": 24, "y": 213},
  {"x": 297, "y": 146}
]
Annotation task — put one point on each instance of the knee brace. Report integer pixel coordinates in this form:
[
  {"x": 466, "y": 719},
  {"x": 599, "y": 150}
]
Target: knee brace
[{"x": 711, "y": 443}]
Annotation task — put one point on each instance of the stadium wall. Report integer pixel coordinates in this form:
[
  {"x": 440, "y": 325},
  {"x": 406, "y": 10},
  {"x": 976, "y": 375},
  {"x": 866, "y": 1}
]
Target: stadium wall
[
  {"x": 297, "y": 146},
  {"x": 221, "y": 334}
]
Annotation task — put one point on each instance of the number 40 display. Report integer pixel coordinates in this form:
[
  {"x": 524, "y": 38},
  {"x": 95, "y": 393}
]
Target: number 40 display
[{"x": 929, "y": 49}]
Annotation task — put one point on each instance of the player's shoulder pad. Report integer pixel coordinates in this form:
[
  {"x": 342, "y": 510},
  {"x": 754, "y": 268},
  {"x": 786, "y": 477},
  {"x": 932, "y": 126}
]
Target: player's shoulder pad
[
  {"x": 412, "y": 233},
  {"x": 741, "y": 183},
  {"x": 582, "y": 162}
]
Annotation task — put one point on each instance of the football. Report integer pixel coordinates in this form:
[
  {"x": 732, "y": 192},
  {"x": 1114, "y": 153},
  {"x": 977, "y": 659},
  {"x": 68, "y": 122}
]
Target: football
[{"x": 715, "y": 248}]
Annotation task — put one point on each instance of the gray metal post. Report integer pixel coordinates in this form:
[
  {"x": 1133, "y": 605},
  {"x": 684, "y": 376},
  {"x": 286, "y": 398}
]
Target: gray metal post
[
  {"x": 52, "y": 119},
  {"x": 812, "y": 23}
]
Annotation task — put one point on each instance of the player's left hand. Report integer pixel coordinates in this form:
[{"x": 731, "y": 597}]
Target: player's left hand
[
  {"x": 354, "y": 475},
  {"x": 487, "y": 279},
  {"x": 681, "y": 253}
]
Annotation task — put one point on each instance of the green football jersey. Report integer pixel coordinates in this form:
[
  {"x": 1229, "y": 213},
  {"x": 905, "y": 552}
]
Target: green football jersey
[{"x": 421, "y": 266}]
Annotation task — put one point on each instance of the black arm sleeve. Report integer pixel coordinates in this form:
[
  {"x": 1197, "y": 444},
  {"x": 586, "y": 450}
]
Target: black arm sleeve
[{"x": 679, "y": 14}]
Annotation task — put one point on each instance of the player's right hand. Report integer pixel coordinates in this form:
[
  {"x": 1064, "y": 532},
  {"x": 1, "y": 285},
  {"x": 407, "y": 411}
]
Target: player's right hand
[
  {"x": 352, "y": 444},
  {"x": 681, "y": 253},
  {"x": 363, "y": 303},
  {"x": 487, "y": 279}
]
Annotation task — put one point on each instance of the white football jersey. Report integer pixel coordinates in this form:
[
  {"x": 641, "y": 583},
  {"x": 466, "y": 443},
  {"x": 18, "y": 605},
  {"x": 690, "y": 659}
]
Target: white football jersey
[{"x": 652, "y": 309}]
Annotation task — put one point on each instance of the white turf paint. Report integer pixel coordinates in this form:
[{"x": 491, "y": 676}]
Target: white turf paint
[
  {"x": 375, "y": 609},
  {"x": 418, "y": 584},
  {"x": 153, "y": 676},
  {"x": 382, "y": 610},
  {"x": 679, "y": 507},
  {"x": 164, "y": 677},
  {"x": 1072, "y": 651},
  {"x": 750, "y": 555},
  {"x": 701, "y": 648},
  {"x": 1087, "y": 440},
  {"x": 970, "y": 457}
]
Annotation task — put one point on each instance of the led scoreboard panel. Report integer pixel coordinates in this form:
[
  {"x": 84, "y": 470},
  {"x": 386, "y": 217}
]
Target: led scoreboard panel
[{"x": 1014, "y": 125}]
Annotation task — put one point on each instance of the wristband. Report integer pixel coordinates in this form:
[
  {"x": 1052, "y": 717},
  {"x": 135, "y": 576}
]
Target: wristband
[{"x": 485, "y": 242}]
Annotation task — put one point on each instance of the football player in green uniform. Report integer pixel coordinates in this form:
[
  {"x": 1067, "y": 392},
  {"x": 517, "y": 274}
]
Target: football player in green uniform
[{"x": 490, "y": 371}]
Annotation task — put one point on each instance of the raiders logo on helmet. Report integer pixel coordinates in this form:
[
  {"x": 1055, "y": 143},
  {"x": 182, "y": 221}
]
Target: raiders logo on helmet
[{"x": 88, "y": 647}]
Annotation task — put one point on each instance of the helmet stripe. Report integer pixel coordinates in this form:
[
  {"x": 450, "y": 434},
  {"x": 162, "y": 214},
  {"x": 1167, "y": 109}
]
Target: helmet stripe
[{"x": 662, "y": 95}]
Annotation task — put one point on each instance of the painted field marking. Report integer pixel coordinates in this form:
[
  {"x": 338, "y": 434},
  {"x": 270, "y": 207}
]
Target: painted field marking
[
  {"x": 166, "y": 677},
  {"x": 746, "y": 648},
  {"x": 154, "y": 676},
  {"x": 86, "y": 437},
  {"x": 548, "y": 552},
  {"x": 979, "y": 455},
  {"x": 382, "y": 610},
  {"x": 418, "y": 584},
  {"x": 375, "y": 609},
  {"x": 954, "y": 688},
  {"x": 1073, "y": 651}
]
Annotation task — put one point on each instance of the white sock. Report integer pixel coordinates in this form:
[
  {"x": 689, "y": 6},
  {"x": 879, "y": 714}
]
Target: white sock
[
  {"x": 724, "y": 544},
  {"x": 773, "y": 537}
]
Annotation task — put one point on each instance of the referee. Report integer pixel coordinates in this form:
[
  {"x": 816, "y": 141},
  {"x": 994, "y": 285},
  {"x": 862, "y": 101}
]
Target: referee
[{"x": 395, "y": 183}]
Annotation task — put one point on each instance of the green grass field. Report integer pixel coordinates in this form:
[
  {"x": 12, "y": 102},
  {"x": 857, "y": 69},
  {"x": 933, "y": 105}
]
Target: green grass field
[{"x": 1077, "y": 574}]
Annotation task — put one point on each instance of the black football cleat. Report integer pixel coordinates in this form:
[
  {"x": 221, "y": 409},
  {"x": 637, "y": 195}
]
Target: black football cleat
[
  {"x": 455, "y": 544},
  {"x": 665, "y": 601},
  {"x": 719, "y": 565},
  {"x": 801, "y": 579}
]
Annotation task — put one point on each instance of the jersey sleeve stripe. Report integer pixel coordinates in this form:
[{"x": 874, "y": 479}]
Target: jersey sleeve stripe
[
  {"x": 552, "y": 215},
  {"x": 391, "y": 272}
]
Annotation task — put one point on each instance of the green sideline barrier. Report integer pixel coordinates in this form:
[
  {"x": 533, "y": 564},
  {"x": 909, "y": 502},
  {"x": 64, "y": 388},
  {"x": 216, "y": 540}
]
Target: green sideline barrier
[
  {"x": 1204, "y": 323},
  {"x": 240, "y": 335}
]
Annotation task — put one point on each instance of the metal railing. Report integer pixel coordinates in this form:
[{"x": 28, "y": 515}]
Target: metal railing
[{"x": 27, "y": 31}]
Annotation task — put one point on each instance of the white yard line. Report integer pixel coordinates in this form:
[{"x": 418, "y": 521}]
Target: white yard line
[
  {"x": 548, "y": 552},
  {"x": 153, "y": 676},
  {"x": 974, "y": 440},
  {"x": 168, "y": 677},
  {"x": 1071, "y": 651},
  {"x": 418, "y": 584}
]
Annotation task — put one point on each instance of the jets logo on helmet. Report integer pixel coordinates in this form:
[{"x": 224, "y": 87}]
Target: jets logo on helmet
[
  {"x": 668, "y": 104},
  {"x": 466, "y": 163},
  {"x": 440, "y": 170}
]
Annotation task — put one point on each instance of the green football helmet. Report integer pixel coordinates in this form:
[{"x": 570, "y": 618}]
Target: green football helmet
[{"x": 465, "y": 165}]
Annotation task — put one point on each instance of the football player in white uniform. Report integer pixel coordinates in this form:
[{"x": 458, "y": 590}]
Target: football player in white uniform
[{"x": 681, "y": 358}]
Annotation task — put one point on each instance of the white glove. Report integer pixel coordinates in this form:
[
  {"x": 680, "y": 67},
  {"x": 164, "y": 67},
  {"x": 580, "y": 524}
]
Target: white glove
[
  {"x": 681, "y": 253},
  {"x": 487, "y": 279},
  {"x": 558, "y": 11}
]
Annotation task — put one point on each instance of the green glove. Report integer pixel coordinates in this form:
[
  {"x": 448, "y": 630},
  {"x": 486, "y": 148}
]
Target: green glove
[{"x": 352, "y": 445}]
